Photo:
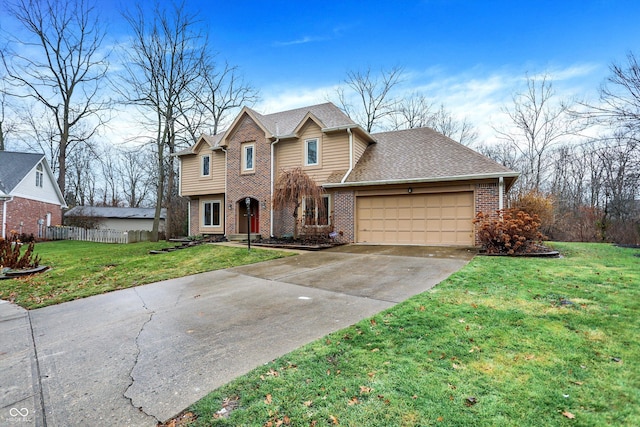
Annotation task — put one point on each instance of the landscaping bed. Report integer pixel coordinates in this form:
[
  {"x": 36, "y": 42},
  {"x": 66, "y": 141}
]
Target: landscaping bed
[{"x": 308, "y": 243}]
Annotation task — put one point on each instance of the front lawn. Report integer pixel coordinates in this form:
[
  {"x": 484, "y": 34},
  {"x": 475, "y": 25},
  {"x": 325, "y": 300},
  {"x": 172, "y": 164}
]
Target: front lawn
[
  {"x": 503, "y": 342},
  {"x": 82, "y": 269}
]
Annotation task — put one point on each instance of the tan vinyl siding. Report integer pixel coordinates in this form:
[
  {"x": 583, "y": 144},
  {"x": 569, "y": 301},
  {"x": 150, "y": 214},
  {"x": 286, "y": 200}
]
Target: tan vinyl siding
[
  {"x": 359, "y": 145},
  {"x": 333, "y": 152},
  {"x": 193, "y": 183}
]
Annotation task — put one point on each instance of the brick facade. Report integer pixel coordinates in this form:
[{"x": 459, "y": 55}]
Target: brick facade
[
  {"x": 256, "y": 184},
  {"x": 23, "y": 216},
  {"x": 487, "y": 200},
  {"x": 194, "y": 217},
  {"x": 344, "y": 205}
]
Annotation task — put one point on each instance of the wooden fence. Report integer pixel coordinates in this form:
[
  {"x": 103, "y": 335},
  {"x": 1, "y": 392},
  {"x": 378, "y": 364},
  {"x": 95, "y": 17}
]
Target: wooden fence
[{"x": 96, "y": 235}]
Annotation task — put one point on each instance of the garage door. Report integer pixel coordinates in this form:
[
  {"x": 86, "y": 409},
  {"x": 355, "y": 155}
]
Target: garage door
[{"x": 431, "y": 219}]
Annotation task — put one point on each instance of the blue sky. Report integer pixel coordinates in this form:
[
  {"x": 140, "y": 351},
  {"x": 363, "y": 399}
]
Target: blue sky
[{"x": 469, "y": 55}]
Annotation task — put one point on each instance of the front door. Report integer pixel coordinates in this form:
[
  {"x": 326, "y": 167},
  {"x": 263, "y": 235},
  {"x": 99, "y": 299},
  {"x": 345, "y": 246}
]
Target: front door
[{"x": 254, "y": 216}]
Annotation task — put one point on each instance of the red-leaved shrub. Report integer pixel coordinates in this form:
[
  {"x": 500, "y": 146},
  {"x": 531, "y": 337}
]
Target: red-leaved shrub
[
  {"x": 11, "y": 256},
  {"x": 509, "y": 231}
]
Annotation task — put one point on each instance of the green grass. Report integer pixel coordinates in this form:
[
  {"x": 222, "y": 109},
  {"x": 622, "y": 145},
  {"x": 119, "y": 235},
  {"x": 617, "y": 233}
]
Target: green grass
[
  {"x": 82, "y": 269},
  {"x": 497, "y": 333}
]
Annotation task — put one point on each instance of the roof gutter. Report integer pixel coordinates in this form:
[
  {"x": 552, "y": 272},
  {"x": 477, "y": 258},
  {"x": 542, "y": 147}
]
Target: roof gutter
[{"x": 418, "y": 180}]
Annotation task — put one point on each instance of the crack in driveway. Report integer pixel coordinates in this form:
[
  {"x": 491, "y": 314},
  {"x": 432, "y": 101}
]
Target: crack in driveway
[{"x": 137, "y": 356}]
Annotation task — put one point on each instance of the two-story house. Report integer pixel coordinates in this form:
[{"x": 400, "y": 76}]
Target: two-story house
[
  {"x": 412, "y": 186},
  {"x": 30, "y": 198}
]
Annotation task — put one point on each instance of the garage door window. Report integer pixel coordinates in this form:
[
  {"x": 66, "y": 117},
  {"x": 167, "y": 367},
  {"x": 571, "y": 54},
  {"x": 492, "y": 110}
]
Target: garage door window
[{"x": 316, "y": 215}]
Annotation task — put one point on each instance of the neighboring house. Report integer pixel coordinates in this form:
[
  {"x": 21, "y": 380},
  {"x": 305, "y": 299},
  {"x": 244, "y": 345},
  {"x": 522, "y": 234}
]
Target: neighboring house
[
  {"x": 30, "y": 198},
  {"x": 411, "y": 186},
  {"x": 120, "y": 219}
]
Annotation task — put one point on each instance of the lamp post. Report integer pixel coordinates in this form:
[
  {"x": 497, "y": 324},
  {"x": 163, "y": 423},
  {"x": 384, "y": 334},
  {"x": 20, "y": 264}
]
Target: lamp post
[{"x": 248, "y": 203}]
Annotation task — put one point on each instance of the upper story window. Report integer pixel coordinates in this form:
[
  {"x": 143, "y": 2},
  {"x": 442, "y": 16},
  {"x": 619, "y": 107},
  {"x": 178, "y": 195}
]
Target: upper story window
[
  {"x": 39, "y": 175},
  {"x": 206, "y": 165},
  {"x": 248, "y": 157},
  {"x": 311, "y": 152}
]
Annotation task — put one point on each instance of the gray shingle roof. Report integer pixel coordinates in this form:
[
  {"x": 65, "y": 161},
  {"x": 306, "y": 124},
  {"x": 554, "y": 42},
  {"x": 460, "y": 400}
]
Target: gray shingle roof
[
  {"x": 14, "y": 167},
  {"x": 111, "y": 212},
  {"x": 421, "y": 154},
  {"x": 284, "y": 123}
]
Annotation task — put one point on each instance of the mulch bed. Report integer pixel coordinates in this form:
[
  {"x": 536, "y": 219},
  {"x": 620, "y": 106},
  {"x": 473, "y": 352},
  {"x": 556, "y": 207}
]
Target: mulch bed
[
  {"x": 308, "y": 244},
  {"x": 12, "y": 274}
]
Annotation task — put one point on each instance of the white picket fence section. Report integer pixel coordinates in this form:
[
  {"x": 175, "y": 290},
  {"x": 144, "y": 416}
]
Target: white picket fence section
[{"x": 96, "y": 235}]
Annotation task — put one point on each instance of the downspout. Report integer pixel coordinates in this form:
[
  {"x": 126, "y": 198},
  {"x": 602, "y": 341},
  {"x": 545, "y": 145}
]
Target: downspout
[
  {"x": 4, "y": 215},
  {"x": 273, "y": 174},
  {"x": 501, "y": 194},
  {"x": 226, "y": 196},
  {"x": 350, "y": 156}
]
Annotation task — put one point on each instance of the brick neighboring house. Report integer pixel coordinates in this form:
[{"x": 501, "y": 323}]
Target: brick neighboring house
[
  {"x": 412, "y": 186},
  {"x": 30, "y": 198}
]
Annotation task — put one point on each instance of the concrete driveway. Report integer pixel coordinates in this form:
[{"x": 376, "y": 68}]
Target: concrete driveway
[{"x": 141, "y": 355}]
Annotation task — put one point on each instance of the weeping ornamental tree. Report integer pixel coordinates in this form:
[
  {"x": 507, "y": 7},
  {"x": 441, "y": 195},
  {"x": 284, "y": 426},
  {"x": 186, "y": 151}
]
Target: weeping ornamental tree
[{"x": 293, "y": 186}]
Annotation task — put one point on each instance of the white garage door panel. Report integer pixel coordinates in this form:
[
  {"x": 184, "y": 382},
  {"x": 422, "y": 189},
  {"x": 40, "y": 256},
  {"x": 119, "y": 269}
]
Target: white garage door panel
[{"x": 432, "y": 219}]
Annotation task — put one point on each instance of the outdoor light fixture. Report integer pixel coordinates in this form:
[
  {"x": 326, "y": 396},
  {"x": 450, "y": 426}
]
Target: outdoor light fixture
[
  {"x": 410, "y": 190},
  {"x": 264, "y": 204}
]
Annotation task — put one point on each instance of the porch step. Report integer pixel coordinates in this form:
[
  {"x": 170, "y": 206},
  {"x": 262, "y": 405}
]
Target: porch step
[{"x": 243, "y": 237}]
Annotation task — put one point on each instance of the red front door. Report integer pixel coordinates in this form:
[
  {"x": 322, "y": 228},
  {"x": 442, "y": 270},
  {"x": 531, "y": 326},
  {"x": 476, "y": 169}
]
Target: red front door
[{"x": 254, "y": 218}]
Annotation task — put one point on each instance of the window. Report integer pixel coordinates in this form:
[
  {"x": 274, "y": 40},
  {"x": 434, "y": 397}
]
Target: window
[
  {"x": 211, "y": 213},
  {"x": 39, "y": 175},
  {"x": 316, "y": 215},
  {"x": 248, "y": 157},
  {"x": 206, "y": 165},
  {"x": 311, "y": 152}
]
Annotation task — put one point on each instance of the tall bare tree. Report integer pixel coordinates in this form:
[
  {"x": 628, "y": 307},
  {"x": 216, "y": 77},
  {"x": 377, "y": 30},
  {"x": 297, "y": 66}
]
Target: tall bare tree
[
  {"x": 537, "y": 123},
  {"x": 60, "y": 64},
  {"x": 444, "y": 122},
  {"x": 413, "y": 111},
  {"x": 167, "y": 56},
  {"x": 372, "y": 93},
  {"x": 220, "y": 90}
]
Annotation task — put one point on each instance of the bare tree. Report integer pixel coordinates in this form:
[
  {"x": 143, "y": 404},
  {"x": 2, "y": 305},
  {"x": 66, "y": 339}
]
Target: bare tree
[
  {"x": 372, "y": 96},
  {"x": 219, "y": 92},
  {"x": 82, "y": 178},
  {"x": 60, "y": 64},
  {"x": 414, "y": 111},
  {"x": 537, "y": 124},
  {"x": 619, "y": 104},
  {"x": 444, "y": 122},
  {"x": 135, "y": 173},
  {"x": 167, "y": 55}
]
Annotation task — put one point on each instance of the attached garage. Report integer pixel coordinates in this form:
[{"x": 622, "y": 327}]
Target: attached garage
[{"x": 426, "y": 219}]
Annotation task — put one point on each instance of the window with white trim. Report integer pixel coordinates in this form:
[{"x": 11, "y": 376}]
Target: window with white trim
[
  {"x": 316, "y": 215},
  {"x": 211, "y": 213},
  {"x": 311, "y": 152},
  {"x": 205, "y": 163},
  {"x": 39, "y": 175},
  {"x": 248, "y": 157}
]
